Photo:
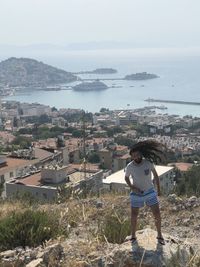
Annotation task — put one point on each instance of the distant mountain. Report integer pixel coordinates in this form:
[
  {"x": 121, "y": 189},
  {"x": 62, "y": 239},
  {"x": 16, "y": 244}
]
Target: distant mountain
[
  {"x": 90, "y": 86},
  {"x": 141, "y": 76},
  {"x": 29, "y": 72}
]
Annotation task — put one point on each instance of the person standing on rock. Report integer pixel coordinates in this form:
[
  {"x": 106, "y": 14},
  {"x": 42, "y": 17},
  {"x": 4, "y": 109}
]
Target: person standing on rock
[{"x": 140, "y": 169}]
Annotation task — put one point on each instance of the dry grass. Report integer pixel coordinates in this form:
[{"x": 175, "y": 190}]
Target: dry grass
[
  {"x": 82, "y": 218},
  {"x": 6, "y": 207},
  {"x": 82, "y": 253},
  {"x": 75, "y": 263},
  {"x": 74, "y": 212}
]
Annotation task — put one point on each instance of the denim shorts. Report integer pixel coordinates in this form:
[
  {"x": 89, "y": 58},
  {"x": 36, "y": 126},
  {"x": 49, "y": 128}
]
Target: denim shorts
[{"x": 149, "y": 197}]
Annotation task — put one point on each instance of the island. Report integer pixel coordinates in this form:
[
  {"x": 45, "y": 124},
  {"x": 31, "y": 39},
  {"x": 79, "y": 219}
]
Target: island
[
  {"x": 90, "y": 86},
  {"x": 141, "y": 76},
  {"x": 99, "y": 71},
  {"x": 26, "y": 72}
]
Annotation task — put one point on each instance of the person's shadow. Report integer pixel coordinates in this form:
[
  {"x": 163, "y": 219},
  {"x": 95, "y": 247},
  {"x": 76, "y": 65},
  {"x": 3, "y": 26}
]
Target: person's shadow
[{"x": 154, "y": 257}]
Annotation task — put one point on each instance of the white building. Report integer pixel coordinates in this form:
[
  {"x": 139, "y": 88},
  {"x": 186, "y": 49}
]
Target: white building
[
  {"x": 116, "y": 181},
  {"x": 35, "y": 109},
  {"x": 45, "y": 185}
]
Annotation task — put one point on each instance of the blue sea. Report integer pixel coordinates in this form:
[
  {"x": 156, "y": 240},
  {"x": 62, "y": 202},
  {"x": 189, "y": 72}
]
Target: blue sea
[{"x": 178, "y": 71}]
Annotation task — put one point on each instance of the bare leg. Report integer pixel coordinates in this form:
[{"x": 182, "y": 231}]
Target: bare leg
[
  {"x": 156, "y": 213},
  {"x": 134, "y": 215}
]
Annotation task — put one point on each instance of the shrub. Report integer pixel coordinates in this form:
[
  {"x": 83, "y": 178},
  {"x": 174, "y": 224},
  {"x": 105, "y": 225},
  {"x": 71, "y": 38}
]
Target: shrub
[
  {"x": 190, "y": 183},
  {"x": 28, "y": 228},
  {"x": 94, "y": 158},
  {"x": 115, "y": 227}
]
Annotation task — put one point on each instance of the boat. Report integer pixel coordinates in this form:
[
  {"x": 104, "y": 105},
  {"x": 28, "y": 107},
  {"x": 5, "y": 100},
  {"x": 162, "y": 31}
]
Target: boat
[{"x": 161, "y": 107}]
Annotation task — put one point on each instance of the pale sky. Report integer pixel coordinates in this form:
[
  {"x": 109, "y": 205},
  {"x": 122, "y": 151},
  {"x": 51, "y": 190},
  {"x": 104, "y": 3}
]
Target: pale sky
[{"x": 149, "y": 22}]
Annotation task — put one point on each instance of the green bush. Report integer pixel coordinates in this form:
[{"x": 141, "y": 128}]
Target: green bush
[
  {"x": 190, "y": 182},
  {"x": 115, "y": 227},
  {"x": 94, "y": 158},
  {"x": 28, "y": 228}
]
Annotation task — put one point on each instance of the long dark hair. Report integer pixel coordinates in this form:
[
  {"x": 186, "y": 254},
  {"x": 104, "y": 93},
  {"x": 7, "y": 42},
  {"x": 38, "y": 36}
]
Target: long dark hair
[{"x": 151, "y": 150}]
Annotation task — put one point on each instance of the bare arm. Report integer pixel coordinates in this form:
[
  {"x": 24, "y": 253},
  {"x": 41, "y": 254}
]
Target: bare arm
[
  {"x": 157, "y": 180},
  {"x": 132, "y": 187}
]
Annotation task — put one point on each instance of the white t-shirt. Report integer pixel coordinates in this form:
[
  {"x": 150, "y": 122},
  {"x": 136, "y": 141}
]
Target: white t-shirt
[{"x": 141, "y": 174}]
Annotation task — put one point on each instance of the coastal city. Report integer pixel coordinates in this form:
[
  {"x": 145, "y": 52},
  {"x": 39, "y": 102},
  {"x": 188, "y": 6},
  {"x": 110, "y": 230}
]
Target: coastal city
[
  {"x": 44, "y": 149},
  {"x": 99, "y": 133}
]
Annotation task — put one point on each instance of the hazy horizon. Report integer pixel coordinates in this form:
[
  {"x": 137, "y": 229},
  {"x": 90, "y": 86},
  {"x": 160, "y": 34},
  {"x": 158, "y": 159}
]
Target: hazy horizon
[{"x": 115, "y": 23}]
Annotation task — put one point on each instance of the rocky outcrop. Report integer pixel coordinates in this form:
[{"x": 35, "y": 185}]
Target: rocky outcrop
[
  {"x": 29, "y": 72},
  {"x": 182, "y": 204},
  {"x": 48, "y": 256},
  {"x": 147, "y": 252}
]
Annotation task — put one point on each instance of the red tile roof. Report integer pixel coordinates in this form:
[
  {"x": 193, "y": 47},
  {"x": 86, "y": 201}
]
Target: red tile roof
[
  {"x": 42, "y": 154},
  {"x": 183, "y": 166},
  {"x": 13, "y": 163},
  {"x": 30, "y": 180}
]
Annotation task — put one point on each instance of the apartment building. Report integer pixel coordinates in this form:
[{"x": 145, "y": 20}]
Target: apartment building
[
  {"x": 46, "y": 184},
  {"x": 114, "y": 157}
]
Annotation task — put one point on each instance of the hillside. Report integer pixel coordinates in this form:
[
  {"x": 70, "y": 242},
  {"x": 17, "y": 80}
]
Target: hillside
[
  {"x": 93, "y": 231},
  {"x": 28, "y": 72}
]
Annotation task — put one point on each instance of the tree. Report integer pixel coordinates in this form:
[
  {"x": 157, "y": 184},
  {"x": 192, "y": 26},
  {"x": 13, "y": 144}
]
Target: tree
[
  {"x": 54, "y": 109},
  {"x": 190, "y": 183},
  {"x": 60, "y": 141},
  {"x": 21, "y": 142},
  {"x": 94, "y": 158},
  {"x": 15, "y": 122},
  {"x": 25, "y": 131},
  {"x": 77, "y": 133},
  {"x": 104, "y": 110},
  {"x": 142, "y": 129},
  {"x": 124, "y": 141},
  {"x": 44, "y": 119},
  {"x": 112, "y": 130}
]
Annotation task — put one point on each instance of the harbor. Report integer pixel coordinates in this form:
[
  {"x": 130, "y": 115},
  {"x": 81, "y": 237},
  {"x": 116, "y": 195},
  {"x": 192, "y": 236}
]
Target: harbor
[{"x": 172, "y": 101}]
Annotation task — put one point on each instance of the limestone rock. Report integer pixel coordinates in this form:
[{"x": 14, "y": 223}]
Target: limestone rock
[
  {"x": 174, "y": 199},
  {"x": 53, "y": 254},
  {"x": 192, "y": 199},
  {"x": 34, "y": 263},
  {"x": 8, "y": 254},
  {"x": 99, "y": 204},
  {"x": 147, "y": 252}
]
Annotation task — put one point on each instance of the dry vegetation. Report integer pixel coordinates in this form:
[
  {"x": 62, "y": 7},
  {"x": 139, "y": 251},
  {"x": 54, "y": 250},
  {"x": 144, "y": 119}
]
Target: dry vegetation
[{"x": 94, "y": 224}]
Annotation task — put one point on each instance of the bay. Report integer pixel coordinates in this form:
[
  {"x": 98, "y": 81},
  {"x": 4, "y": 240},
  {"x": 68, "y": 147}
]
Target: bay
[{"x": 179, "y": 72}]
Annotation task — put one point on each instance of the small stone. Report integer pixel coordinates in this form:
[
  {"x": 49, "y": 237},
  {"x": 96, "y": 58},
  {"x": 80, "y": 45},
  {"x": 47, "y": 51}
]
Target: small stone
[
  {"x": 172, "y": 198},
  {"x": 197, "y": 228},
  {"x": 99, "y": 204},
  {"x": 34, "y": 263},
  {"x": 192, "y": 217},
  {"x": 174, "y": 208},
  {"x": 54, "y": 252},
  {"x": 99, "y": 262},
  {"x": 192, "y": 199},
  {"x": 8, "y": 253},
  {"x": 19, "y": 249},
  {"x": 40, "y": 254},
  {"x": 186, "y": 222}
]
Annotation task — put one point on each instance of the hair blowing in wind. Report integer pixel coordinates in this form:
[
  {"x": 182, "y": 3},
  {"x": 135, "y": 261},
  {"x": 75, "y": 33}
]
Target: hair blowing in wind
[{"x": 151, "y": 150}]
